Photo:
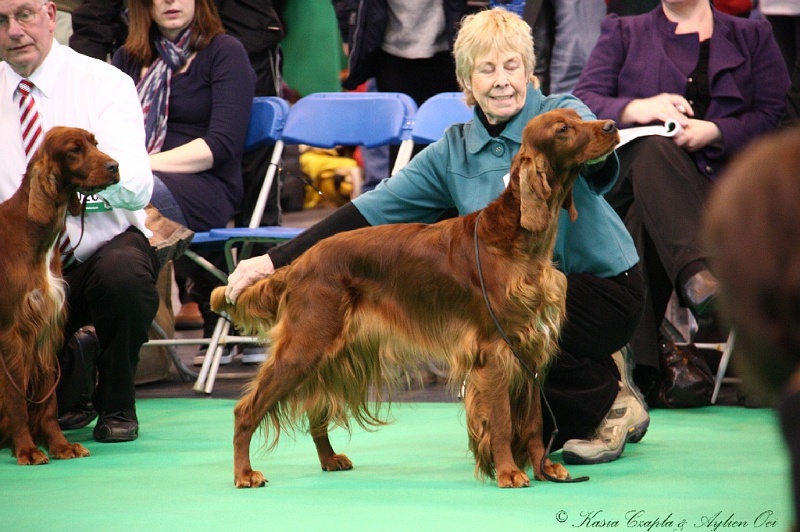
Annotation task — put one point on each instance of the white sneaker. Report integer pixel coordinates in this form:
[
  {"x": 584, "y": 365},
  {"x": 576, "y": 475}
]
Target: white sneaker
[
  {"x": 224, "y": 360},
  {"x": 254, "y": 354},
  {"x": 627, "y": 420}
]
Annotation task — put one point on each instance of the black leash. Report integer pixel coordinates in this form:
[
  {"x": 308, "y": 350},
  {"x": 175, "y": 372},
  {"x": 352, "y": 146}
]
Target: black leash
[{"x": 522, "y": 362}]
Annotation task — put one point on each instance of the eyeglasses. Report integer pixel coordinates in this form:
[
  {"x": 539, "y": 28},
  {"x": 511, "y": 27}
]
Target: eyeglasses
[{"x": 23, "y": 18}]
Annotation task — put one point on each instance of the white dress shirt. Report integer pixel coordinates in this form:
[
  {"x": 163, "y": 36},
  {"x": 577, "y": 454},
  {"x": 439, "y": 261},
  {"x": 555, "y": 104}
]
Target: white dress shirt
[{"x": 75, "y": 90}]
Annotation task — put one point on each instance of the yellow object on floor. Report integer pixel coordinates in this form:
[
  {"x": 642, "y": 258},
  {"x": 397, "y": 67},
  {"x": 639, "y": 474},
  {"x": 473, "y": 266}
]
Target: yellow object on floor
[{"x": 333, "y": 177}]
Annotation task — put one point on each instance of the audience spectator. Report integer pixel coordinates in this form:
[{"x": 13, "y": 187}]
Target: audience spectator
[
  {"x": 784, "y": 16},
  {"x": 99, "y": 27},
  {"x": 112, "y": 277},
  {"x": 196, "y": 87},
  {"x": 406, "y": 46},
  {"x": 723, "y": 80},
  {"x": 465, "y": 170},
  {"x": 572, "y": 27}
]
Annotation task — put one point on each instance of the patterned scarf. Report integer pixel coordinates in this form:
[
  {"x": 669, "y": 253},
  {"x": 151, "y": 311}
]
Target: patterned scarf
[{"x": 154, "y": 87}]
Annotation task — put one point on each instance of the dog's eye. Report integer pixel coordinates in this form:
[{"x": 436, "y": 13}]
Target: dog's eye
[{"x": 563, "y": 129}]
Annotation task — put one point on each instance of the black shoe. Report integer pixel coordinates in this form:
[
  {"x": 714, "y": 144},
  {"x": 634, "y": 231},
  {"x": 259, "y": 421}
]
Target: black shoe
[
  {"x": 116, "y": 427},
  {"x": 83, "y": 414},
  {"x": 700, "y": 293}
]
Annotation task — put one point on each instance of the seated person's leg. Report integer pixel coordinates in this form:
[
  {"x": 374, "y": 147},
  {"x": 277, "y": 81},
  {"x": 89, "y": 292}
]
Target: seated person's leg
[{"x": 115, "y": 290}]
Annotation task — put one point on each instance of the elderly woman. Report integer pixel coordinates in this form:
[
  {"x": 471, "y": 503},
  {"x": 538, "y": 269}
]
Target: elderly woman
[
  {"x": 722, "y": 78},
  {"x": 196, "y": 87},
  {"x": 465, "y": 171}
]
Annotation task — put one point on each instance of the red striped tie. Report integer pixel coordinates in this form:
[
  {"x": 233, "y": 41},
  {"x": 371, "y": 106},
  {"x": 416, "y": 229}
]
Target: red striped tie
[
  {"x": 32, "y": 135},
  {"x": 29, "y": 119}
]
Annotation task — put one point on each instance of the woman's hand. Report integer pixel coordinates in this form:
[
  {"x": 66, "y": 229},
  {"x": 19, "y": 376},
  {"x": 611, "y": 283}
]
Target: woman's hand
[
  {"x": 698, "y": 134},
  {"x": 660, "y": 108},
  {"x": 247, "y": 272}
]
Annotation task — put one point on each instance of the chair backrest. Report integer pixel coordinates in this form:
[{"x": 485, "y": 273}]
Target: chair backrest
[
  {"x": 370, "y": 119},
  {"x": 267, "y": 120},
  {"x": 437, "y": 113}
]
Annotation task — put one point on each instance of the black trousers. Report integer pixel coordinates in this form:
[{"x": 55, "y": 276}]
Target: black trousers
[
  {"x": 660, "y": 195},
  {"x": 581, "y": 386},
  {"x": 114, "y": 290}
]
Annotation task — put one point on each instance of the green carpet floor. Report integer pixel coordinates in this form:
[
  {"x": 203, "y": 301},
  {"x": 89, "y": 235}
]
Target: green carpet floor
[{"x": 716, "y": 468}]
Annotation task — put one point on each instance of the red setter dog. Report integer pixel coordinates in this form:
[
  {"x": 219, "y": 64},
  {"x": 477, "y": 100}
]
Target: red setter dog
[
  {"x": 32, "y": 308},
  {"x": 360, "y": 303}
]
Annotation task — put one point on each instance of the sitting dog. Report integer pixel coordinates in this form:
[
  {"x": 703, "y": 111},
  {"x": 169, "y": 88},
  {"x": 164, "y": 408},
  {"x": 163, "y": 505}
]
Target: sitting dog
[
  {"x": 361, "y": 302},
  {"x": 32, "y": 310}
]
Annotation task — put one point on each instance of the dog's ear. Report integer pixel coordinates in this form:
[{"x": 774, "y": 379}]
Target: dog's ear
[
  {"x": 42, "y": 189},
  {"x": 75, "y": 206},
  {"x": 534, "y": 190}
]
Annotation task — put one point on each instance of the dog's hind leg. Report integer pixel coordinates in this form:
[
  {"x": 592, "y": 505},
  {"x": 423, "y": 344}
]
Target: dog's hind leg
[
  {"x": 289, "y": 366},
  {"x": 328, "y": 459}
]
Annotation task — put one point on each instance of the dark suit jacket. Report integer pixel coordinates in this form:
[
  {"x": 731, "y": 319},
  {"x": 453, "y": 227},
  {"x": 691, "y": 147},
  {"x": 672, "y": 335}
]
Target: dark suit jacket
[{"x": 640, "y": 56}]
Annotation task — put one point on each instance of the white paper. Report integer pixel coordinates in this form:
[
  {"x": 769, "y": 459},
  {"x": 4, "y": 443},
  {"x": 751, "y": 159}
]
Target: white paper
[{"x": 670, "y": 128}]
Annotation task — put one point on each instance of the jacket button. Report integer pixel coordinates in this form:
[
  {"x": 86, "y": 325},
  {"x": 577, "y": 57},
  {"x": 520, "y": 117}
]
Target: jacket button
[{"x": 498, "y": 150}]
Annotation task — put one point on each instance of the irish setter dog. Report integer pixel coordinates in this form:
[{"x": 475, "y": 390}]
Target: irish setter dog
[
  {"x": 360, "y": 303},
  {"x": 32, "y": 308}
]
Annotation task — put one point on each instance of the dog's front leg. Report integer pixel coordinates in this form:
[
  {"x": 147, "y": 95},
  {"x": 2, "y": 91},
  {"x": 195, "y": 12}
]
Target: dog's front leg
[
  {"x": 57, "y": 444},
  {"x": 328, "y": 459},
  {"x": 18, "y": 426},
  {"x": 500, "y": 427},
  {"x": 532, "y": 430}
]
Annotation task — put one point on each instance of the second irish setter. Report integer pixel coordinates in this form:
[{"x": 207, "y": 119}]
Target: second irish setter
[
  {"x": 360, "y": 303},
  {"x": 32, "y": 308}
]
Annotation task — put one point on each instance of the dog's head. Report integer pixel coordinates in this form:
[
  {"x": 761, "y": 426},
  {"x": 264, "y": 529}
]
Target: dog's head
[
  {"x": 555, "y": 145},
  {"x": 67, "y": 162}
]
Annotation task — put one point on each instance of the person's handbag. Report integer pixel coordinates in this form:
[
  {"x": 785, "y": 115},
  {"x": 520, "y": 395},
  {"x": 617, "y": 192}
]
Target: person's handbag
[{"x": 686, "y": 380}]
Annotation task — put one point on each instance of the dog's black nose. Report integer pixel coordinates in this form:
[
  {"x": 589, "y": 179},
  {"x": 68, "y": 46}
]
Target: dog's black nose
[
  {"x": 610, "y": 126},
  {"x": 112, "y": 166}
]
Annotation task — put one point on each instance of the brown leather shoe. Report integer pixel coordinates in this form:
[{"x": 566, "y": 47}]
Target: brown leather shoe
[{"x": 189, "y": 317}]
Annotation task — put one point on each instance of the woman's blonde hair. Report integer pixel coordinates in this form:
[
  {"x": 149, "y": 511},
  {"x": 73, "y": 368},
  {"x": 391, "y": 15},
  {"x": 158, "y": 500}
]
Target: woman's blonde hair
[{"x": 488, "y": 31}]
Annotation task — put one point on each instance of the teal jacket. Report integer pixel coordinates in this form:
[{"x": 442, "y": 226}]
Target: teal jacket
[{"x": 466, "y": 169}]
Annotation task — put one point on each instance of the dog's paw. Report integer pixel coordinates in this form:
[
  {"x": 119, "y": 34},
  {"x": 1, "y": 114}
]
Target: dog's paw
[
  {"x": 250, "y": 479},
  {"x": 553, "y": 470},
  {"x": 32, "y": 456},
  {"x": 337, "y": 462},
  {"x": 71, "y": 450},
  {"x": 512, "y": 479}
]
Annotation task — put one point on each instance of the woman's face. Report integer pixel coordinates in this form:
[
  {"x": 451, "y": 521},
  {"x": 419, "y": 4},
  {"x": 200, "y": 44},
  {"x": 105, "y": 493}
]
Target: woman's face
[
  {"x": 499, "y": 84},
  {"x": 172, "y": 16}
]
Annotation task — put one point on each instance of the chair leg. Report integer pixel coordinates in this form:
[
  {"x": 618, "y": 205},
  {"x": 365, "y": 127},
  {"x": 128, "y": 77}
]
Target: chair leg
[
  {"x": 723, "y": 366},
  {"x": 211, "y": 361}
]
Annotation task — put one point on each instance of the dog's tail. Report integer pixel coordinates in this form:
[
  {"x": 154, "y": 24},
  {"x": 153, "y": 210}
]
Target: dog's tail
[{"x": 256, "y": 309}]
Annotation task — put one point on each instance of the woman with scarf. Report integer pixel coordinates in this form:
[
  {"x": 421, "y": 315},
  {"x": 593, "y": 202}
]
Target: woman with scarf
[{"x": 196, "y": 87}]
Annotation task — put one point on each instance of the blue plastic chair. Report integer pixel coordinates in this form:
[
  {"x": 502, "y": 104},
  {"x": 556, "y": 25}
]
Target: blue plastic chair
[
  {"x": 267, "y": 119},
  {"x": 323, "y": 120},
  {"x": 434, "y": 116},
  {"x": 437, "y": 113},
  {"x": 368, "y": 119}
]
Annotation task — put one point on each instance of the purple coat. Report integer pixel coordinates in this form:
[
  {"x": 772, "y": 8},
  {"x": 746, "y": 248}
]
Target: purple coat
[{"x": 640, "y": 56}]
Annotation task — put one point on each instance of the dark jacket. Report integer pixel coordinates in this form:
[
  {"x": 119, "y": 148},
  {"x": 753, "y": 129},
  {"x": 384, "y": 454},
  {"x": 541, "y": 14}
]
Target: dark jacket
[
  {"x": 367, "y": 29},
  {"x": 640, "y": 56}
]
